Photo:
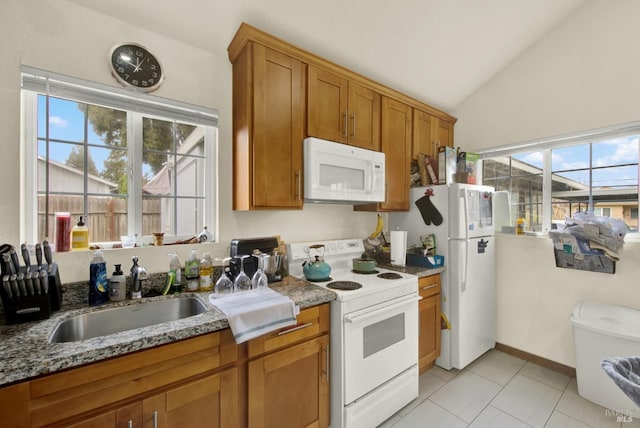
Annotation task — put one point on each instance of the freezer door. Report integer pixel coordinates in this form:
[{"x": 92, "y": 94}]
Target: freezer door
[
  {"x": 471, "y": 211},
  {"x": 473, "y": 299}
]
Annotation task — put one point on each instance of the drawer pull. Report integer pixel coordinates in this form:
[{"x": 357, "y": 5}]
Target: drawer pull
[
  {"x": 429, "y": 286},
  {"x": 155, "y": 419},
  {"x": 296, "y": 328}
]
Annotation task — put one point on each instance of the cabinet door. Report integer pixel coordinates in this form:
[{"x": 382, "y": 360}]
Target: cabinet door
[
  {"x": 423, "y": 130},
  {"x": 213, "y": 399},
  {"x": 364, "y": 117},
  {"x": 278, "y": 129},
  {"x": 395, "y": 141},
  {"x": 444, "y": 136},
  {"x": 327, "y": 111},
  {"x": 290, "y": 388},
  {"x": 429, "y": 331}
]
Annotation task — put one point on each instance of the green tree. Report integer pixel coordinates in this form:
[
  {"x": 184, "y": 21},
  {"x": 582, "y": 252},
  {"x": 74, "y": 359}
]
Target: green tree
[{"x": 76, "y": 160}]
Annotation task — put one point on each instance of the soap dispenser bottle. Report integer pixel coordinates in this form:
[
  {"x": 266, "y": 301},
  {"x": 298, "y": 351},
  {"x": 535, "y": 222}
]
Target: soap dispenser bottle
[
  {"x": 117, "y": 285},
  {"x": 80, "y": 236},
  {"x": 98, "y": 283}
]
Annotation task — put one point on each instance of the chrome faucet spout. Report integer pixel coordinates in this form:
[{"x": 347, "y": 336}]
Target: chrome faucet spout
[{"x": 138, "y": 275}]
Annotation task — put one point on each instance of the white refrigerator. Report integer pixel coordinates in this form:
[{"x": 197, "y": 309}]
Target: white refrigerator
[{"x": 462, "y": 220}]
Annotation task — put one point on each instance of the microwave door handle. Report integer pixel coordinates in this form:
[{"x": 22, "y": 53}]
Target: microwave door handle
[{"x": 372, "y": 178}]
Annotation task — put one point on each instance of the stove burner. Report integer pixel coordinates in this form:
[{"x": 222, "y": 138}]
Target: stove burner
[
  {"x": 344, "y": 285},
  {"x": 365, "y": 272},
  {"x": 320, "y": 280},
  {"x": 390, "y": 275}
]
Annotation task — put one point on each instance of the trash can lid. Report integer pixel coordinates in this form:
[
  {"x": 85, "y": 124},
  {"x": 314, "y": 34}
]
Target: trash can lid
[{"x": 612, "y": 320}]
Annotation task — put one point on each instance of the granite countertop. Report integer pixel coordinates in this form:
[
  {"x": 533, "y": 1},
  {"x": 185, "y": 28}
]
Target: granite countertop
[
  {"x": 419, "y": 271},
  {"x": 26, "y": 352}
]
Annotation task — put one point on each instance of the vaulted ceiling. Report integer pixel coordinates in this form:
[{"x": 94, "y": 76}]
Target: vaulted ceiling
[{"x": 439, "y": 51}]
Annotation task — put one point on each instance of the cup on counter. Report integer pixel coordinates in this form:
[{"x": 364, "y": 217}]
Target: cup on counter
[
  {"x": 158, "y": 238},
  {"x": 128, "y": 241},
  {"x": 63, "y": 231}
]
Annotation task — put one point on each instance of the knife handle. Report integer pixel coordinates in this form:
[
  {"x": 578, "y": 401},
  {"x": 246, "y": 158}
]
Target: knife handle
[
  {"x": 14, "y": 259},
  {"x": 26, "y": 256},
  {"x": 6, "y": 286},
  {"x": 44, "y": 282},
  {"x": 13, "y": 280},
  {"x": 8, "y": 264},
  {"x": 47, "y": 252},
  {"x": 29, "y": 283},
  {"x": 39, "y": 255}
]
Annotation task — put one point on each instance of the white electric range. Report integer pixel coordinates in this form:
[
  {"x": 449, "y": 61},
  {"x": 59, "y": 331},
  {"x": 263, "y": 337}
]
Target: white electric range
[{"x": 374, "y": 334}]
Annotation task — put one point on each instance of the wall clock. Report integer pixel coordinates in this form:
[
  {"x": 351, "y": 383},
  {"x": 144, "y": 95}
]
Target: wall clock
[{"x": 134, "y": 66}]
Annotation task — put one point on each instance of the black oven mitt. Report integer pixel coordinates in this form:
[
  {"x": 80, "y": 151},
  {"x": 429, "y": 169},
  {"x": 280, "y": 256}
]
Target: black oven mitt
[{"x": 428, "y": 211}]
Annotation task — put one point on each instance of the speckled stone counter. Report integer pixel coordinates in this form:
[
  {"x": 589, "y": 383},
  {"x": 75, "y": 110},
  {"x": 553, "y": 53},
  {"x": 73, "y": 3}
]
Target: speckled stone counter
[
  {"x": 419, "y": 271},
  {"x": 25, "y": 351}
]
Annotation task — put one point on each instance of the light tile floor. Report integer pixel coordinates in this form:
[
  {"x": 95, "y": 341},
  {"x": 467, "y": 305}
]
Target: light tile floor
[{"x": 501, "y": 391}]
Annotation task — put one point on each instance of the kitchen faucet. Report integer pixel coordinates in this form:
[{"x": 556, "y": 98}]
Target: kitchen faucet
[{"x": 138, "y": 274}]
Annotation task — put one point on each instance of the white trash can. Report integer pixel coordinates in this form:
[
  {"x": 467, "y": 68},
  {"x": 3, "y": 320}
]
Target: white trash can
[{"x": 601, "y": 331}]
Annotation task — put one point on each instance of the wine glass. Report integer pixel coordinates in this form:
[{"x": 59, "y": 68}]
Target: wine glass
[
  {"x": 242, "y": 281},
  {"x": 224, "y": 284},
  {"x": 259, "y": 279}
]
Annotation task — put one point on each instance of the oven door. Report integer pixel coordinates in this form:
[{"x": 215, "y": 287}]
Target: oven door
[{"x": 380, "y": 342}]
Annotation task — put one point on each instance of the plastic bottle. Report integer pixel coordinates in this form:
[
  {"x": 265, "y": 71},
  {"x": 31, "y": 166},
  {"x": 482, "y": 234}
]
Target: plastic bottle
[
  {"x": 206, "y": 273},
  {"x": 205, "y": 235},
  {"x": 175, "y": 273},
  {"x": 192, "y": 271},
  {"x": 520, "y": 225},
  {"x": 98, "y": 282},
  {"x": 80, "y": 236},
  {"x": 117, "y": 285}
]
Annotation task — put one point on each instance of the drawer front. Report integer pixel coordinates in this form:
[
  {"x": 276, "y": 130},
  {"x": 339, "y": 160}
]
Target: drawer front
[
  {"x": 429, "y": 285},
  {"x": 311, "y": 322},
  {"x": 99, "y": 385}
]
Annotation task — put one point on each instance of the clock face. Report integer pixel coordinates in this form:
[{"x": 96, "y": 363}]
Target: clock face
[{"x": 134, "y": 66}]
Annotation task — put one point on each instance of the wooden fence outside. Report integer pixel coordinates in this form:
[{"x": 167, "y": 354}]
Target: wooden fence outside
[{"x": 107, "y": 216}]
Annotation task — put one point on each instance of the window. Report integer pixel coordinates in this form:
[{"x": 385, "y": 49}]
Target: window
[
  {"x": 548, "y": 185},
  {"x": 128, "y": 163}
]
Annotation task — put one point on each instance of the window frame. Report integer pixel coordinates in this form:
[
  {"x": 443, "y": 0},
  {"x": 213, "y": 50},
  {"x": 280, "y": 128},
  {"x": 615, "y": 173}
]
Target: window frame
[
  {"x": 545, "y": 147},
  {"x": 143, "y": 106}
]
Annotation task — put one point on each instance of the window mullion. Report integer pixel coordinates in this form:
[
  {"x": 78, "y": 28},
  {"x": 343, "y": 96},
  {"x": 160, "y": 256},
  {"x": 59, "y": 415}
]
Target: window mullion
[
  {"x": 30, "y": 199},
  {"x": 547, "y": 188},
  {"x": 134, "y": 145}
]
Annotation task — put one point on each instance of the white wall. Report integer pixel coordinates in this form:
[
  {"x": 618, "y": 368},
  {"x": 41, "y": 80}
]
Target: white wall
[
  {"x": 64, "y": 38},
  {"x": 583, "y": 75}
]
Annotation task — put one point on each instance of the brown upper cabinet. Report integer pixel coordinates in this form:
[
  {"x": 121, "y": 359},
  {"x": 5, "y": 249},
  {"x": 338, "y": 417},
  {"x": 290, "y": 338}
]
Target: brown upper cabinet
[
  {"x": 282, "y": 93},
  {"x": 342, "y": 110},
  {"x": 430, "y": 133},
  {"x": 268, "y": 129}
]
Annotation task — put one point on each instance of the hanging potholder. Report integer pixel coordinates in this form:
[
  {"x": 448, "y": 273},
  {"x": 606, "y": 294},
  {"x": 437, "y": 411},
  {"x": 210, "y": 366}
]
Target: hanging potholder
[{"x": 428, "y": 211}]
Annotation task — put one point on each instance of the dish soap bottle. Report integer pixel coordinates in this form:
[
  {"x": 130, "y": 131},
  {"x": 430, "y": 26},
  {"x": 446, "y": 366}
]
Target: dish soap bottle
[
  {"x": 192, "y": 271},
  {"x": 80, "y": 236},
  {"x": 98, "y": 283},
  {"x": 117, "y": 285},
  {"x": 206, "y": 273},
  {"x": 174, "y": 277}
]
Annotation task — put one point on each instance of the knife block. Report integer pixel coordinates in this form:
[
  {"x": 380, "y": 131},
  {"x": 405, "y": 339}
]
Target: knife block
[
  {"x": 33, "y": 308},
  {"x": 24, "y": 309}
]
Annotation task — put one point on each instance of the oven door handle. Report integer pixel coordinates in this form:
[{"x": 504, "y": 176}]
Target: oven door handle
[{"x": 376, "y": 313}]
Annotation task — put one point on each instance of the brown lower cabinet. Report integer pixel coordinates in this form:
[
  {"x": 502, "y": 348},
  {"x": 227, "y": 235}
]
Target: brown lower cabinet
[
  {"x": 429, "y": 318},
  {"x": 205, "y": 381}
]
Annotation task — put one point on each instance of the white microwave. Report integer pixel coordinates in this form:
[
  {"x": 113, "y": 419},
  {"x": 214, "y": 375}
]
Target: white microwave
[{"x": 338, "y": 173}]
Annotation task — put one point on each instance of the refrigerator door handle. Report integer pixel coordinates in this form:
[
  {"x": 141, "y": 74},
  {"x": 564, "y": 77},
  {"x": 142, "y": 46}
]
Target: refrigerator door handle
[{"x": 465, "y": 267}]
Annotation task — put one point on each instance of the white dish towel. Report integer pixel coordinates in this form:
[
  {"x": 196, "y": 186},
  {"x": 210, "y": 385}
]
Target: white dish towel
[{"x": 255, "y": 312}]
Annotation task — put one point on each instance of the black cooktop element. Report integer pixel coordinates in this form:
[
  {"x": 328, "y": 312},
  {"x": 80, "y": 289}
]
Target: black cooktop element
[
  {"x": 390, "y": 275},
  {"x": 365, "y": 272},
  {"x": 320, "y": 280},
  {"x": 344, "y": 285}
]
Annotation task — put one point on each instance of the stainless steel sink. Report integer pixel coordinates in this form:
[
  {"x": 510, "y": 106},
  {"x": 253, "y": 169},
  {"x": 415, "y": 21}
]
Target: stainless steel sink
[{"x": 116, "y": 320}]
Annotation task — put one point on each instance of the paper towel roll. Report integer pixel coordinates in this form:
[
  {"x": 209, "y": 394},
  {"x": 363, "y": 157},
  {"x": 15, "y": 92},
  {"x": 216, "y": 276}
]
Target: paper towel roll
[{"x": 398, "y": 247}]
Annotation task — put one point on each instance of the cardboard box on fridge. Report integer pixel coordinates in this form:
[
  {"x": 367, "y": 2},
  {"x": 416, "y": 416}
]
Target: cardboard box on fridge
[
  {"x": 447, "y": 165},
  {"x": 467, "y": 168}
]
